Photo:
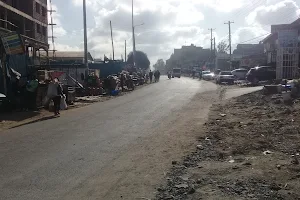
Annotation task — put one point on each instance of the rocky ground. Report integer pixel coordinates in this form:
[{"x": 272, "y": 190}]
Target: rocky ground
[{"x": 248, "y": 149}]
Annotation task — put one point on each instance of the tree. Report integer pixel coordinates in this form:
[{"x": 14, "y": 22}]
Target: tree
[
  {"x": 223, "y": 47},
  {"x": 159, "y": 65},
  {"x": 141, "y": 59}
]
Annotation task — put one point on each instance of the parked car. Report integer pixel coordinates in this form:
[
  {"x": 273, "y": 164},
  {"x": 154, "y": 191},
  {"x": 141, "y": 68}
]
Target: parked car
[
  {"x": 4, "y": 103},
  {"x": 262, "y": 73},
  {"x": 225, "y": 77},
  {"x": 208, "y": 75},
  {"x": 239, "y": 74}
]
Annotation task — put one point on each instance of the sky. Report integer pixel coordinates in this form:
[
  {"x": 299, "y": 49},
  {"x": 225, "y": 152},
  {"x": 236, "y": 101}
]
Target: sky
[{"x": 167, "y": 24}]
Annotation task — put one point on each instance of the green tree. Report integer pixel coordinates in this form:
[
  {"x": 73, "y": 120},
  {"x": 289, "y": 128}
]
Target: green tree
[
  {"x": 141, "y": 59},
  {"x": 159, "y": 65}
]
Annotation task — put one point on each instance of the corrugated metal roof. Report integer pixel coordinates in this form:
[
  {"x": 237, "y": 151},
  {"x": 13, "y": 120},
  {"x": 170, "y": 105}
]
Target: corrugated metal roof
[{"x": 66, "y": 54}]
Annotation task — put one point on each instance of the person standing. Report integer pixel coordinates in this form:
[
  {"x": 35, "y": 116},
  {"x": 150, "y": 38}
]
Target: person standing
[
  {"x": 158, "y": 74},
  {"x": 31, "y": 90},
  {"x": 150, "y": 76},
  {"x": 57, "y": 98}
]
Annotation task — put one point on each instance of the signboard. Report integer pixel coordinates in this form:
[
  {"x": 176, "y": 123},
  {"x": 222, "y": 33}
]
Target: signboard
[
  {"x": 288, "y": 38},
  {"x": 12, "y": 43}
]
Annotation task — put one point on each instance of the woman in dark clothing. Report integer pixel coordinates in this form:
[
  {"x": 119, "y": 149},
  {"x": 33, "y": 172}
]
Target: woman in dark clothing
[{"x": 57, "y": 98}]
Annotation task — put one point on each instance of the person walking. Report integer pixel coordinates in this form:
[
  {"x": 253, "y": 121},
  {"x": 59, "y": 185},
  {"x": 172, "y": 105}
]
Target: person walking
[
  {"x": 55, "y": 93},
  {"x": 150, "y": 76}
]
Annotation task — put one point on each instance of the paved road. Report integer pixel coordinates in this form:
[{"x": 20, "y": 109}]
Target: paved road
[
  {"x": 50, "y": 159},
  {"x": 57, "y": 158}
]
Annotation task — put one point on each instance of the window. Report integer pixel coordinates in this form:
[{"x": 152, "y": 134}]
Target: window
[
  {"x": 43, "y": 11},
  {"x": 38, "y": 28},
  {"x": 37, "y": 7}
]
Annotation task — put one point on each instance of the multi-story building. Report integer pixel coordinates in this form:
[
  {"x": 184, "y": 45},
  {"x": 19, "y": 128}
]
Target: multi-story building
[
  {"x": 282, "y": 47},
  {"x": 29, "y": 18},
  {"x": 188, "y": 57}
]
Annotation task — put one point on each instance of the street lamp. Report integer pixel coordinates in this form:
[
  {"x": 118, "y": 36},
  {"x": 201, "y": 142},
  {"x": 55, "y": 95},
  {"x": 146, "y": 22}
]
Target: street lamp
[{"x": 133, "y": 39}]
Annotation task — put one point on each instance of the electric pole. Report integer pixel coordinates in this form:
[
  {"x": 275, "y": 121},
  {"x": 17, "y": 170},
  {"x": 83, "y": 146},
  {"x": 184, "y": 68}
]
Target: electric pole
[
  {"x": 85, "y": 38},
  {"x": 230, "y": 52},
  {"x": 215, "y": 53},
  {"x": 112, "y": 41},
  {"x": 133, "y": 38},
  {"x": 211, "y": 43},
  {"x": 125, "y": 50},
  {"x": 211, "y": 38}
]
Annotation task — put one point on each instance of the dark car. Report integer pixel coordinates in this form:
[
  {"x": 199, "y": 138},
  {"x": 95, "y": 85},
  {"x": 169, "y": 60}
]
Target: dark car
[
  {"x": 262, "y": 73},
  {"x": 4, "y": 103}
]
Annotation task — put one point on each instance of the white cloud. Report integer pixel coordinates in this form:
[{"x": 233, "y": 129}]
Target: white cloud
[
  {"x": 63, "y": 47},
  {"x": 277, "y": 13},
  {"x": 58, "y": 30},
  {"x": 169, "y": 24}
]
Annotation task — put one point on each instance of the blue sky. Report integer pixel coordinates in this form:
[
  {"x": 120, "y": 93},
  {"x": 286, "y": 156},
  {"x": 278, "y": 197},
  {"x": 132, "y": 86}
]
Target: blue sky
[{"x": 168, "y": 24}]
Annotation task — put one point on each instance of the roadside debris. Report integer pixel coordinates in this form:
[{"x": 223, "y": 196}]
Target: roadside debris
[
  {"x": 235, "y": 160},
  {"x": 267, "y": 152}
]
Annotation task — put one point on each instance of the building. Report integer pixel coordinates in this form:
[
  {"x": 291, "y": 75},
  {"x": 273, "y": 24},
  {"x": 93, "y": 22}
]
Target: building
[
  {"x": 188, "y": 57},
  {"x": 282, "y": 49},
  {"x": 251, "y": 55},
  {"x": 29, "y": 18},
  {"x": 249, "y": 49}
]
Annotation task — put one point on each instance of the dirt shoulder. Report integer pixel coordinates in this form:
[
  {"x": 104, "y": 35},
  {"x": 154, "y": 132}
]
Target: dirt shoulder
[{"x": 248, "y": 149}]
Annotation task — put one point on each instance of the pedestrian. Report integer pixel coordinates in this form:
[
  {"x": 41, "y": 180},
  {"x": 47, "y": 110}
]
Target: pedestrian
[
  {"x": 150, "y": 76},
  {"x": 55, "y": 93},
  {"x": 31, "y": 91},
  {"x": 122, "y": 81},
  {"x": 158, "y": 74}
]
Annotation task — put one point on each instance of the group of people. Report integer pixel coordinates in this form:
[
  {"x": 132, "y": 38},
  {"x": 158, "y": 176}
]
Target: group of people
[{"x": 156, "y": 75}]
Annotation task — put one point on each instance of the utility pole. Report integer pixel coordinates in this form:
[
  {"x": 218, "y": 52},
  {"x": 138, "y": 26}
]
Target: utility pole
[
  {"x": 215, "y": 53},
  {"x": 211, "y": 43},
  {"x": 125, "y": 50},
  {"x": 211, "y": 38},
  {"x": 85, "y": 38},
  {"x": 133, "y": 38},
  {"x": 230, "y": 52},
  {"x": 112, "y": 41}
]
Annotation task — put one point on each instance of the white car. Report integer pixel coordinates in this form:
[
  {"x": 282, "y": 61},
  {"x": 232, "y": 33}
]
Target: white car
[
  {"x": 239, "y": 74},
  {"x": 225, "y": 77},
  {"x": 208, "y": 75}
]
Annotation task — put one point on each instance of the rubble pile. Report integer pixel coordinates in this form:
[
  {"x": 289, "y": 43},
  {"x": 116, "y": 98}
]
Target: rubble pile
[{"x": 248, "y": 149}]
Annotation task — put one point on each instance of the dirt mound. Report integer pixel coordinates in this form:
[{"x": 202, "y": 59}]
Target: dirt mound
[{"x": 248, "y": 149}]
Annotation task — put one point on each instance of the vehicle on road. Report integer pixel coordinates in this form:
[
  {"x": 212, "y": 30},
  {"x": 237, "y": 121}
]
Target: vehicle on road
[
  {"x": 176, "y": 73},
  {"x": 208, "y": 75},
  {"x": 239, "y": 74},
  {"x": 4, "y": 102},
  {"x": 169, "y": 75},
  {"x": 225, "y": 77},
  {"x": 262, "y": 73}
]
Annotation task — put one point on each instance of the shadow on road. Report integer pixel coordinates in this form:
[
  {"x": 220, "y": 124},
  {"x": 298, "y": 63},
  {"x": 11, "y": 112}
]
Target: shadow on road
[
  {"x": 18, "y": 116},
  {"x": 34, "y": 121}
]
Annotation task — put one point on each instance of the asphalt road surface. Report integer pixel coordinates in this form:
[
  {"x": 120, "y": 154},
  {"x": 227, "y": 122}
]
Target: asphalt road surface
[{"x": 108, "y": 150}]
